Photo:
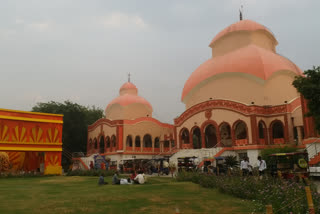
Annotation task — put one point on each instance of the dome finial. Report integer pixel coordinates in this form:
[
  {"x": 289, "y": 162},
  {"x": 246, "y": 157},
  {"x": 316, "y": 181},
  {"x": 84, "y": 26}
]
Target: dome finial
[
  {"x": 241, "y": 12},
  {"x": 129, "y": 77}
]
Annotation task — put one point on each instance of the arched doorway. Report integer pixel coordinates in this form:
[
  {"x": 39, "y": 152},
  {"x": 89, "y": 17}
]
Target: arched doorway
[
  {"x": 147, "y": 141},
  {"x": 101, "y": 145},
  {"x": 137, "y": 142},
  {"x": 95, "y": 142},
  {"x": 240, "y": 133},
  {"x": 129, "y": 141},
  {"x": 262, "y": 133},
  {"x": 277, "y": 132},
  {"x": 107, "y": 142},
  {"x": 157, "y": 142},
  {"x": 210, "y": 136},
  {"x": 225, "y": 134},
  {"x": 196, "y": 138},
  {"x": 185, "y": 138},
  {"x": 113, "y": 141}
]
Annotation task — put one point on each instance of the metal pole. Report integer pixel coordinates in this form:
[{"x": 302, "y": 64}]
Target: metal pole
[
  {"x": 269, "y": 209},
  {"x": 309, "y": 199}
]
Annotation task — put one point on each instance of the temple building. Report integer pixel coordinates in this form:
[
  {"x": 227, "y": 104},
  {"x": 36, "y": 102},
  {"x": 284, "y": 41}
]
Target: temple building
[
  {"x": 129, "y": 130},
  {"x": 240, "y": 101}
]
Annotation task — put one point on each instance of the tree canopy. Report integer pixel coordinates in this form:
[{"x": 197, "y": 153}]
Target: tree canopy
[
  {"x": 75, "y": 123},
  {"x": 309, "y": 87}
]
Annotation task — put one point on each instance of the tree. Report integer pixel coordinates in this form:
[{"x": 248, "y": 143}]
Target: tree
[
  {"x": 75, "y": 124},
  {"x": 309, "y": 87}
]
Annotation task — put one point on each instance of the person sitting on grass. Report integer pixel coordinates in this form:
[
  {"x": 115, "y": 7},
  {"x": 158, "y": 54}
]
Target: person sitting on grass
[
  {"x": 115, "y": 179},
  {"x": 133, "y": 175},
  {"x": 139, "y": 179},
  {"x": 101, "y": 180},
  {"x": 124, "y": 181}
]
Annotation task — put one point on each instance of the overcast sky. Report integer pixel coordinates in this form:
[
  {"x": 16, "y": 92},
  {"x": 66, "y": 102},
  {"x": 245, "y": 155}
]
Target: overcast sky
[{"x": 82, "y": 50}]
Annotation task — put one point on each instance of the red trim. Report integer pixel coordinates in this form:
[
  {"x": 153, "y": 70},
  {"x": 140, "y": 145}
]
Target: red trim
[
  {"x": 104, "y": 121},
  {"x": 236, "y": 107},
  {"x": 311, "y": 140},
  {"x": 149, "y": 119},
  {"x": 315, "y": 159}
]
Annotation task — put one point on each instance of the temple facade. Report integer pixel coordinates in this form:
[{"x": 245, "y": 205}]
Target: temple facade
[
  {"x": 129, "y": 130},
  {"x": 240, "y": 101}
]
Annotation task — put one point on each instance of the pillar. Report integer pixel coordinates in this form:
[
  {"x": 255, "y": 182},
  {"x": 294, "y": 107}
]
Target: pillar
[
  {"x": 286, "y": 129},
  {"x": 203, "y": 139},
  {"x": 299, "y": 130},
  {"x": 119, "y": 138},
  {"x": 254, "y": 133}
]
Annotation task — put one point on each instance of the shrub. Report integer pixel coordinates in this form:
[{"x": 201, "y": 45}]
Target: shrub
[{"x": 284, "y": 196}]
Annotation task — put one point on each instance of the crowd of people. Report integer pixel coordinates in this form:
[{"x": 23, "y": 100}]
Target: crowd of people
[
  {"x": 135, "y": 178},
  {"x": 139, "y": 178}
]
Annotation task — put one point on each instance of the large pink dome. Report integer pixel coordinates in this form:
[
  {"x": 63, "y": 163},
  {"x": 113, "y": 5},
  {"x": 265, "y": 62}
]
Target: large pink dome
[{"x": 250, "y": 59}]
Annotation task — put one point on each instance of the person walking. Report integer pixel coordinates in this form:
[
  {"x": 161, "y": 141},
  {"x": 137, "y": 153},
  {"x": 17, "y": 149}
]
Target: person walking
[
  {"x": 244, "y": 167},
  {"x": 262, "y": 166}
]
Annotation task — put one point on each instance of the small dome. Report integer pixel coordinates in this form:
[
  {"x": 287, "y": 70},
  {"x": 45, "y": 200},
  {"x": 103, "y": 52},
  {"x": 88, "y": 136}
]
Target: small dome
[
  {"x": 128, "y": 99},
  {"x": 243, "y": 25},
  {"x": 128, "y": 85},
  {"x": 128, "y": 105},
  {"x": 251, "y": 60},
  {"x": 128, "y": 88}
]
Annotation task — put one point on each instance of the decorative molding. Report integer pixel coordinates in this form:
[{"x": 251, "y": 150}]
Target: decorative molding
[
  {"x": 243, "y": 109},
  {"x": 30, "y": 119},
  {"x": 208, "y": 114}
]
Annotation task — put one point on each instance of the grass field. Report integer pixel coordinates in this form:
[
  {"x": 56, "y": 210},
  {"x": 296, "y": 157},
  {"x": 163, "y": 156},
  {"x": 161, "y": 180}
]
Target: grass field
[{"x": 62, "y": 194}]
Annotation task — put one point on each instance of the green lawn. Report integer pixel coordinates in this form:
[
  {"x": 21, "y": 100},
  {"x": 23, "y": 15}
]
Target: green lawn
[{"x": 62, "y": 194}]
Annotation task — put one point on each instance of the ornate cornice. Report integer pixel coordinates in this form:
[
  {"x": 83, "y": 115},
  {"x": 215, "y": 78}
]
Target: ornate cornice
[{"x": 240, "y": 108}]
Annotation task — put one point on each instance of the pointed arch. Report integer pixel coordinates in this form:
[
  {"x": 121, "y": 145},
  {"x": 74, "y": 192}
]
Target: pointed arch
[
  {"x": 108, "y": 142},
  {"x": 129, "y": 142},
  {"x": 147, "y": 141},
  {"x": 196, "y": 137},
  {"x": 137, "y": 141},
  {"x": 240, "y": 132},
  {"x": 210, "y": 134},
  {"x": 95, "y": 143},
  {"x": 262, "y": 133},
  {"x": 225, "y": 134},
  {"x": 113, "y": 141},
  {"x": 277, "y": 132},
  {"x": 157, "y": 142}
]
